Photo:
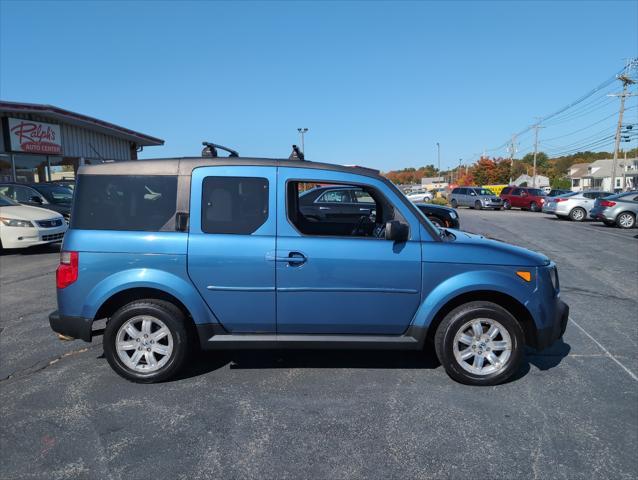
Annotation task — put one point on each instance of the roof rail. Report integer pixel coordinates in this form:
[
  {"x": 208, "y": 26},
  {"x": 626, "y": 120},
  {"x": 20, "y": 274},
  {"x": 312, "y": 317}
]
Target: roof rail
[
  {"x": 378, "y": 172},
  {"x": 210, "y": 150}
]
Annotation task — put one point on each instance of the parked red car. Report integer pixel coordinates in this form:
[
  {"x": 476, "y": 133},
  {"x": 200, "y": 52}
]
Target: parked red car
[{"x": 523, "y": 198}]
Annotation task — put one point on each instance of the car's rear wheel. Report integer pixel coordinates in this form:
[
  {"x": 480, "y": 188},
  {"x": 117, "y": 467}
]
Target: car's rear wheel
[
  {"x": 454, "y": 203},
  {"x": 577, "y": 214},
  {"x": 146, "y": 341},
  {"x": 480, "y": 343},
  {"x": 626, "y": 220},
  {"x": 534, "y": 207},
  {"x": 507, "y": 205}
]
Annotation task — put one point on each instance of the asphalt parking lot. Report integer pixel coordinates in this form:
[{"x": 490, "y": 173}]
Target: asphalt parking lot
[{"x": 571, "y": 412}]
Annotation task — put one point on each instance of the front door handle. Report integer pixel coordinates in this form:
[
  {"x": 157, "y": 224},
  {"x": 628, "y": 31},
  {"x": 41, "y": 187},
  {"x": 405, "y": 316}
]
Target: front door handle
[{"x": 292, "y": 258}]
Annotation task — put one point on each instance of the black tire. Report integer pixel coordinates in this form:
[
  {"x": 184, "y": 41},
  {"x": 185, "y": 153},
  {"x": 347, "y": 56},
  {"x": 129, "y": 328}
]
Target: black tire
[
  {"x": 454, "y": 203},
  {"x": 174, "y": 320},
  {"x": 577, "y": 214},
  {"x": 478, "y": 205},
  {"x": 436, "y": 222},
  {"x": 456, "y": 319},
  {"x": 507, "y": 205},
  {"x": 534, "y": 207},
  {"x": 626, "y": 220}
]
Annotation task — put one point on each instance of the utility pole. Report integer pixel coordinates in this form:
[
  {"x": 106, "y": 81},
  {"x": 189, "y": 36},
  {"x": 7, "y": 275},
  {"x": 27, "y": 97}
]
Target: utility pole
[
  {"x": 302, "y": 132},
  {"x": 537, "y": 126},
  {"x": 438, "y": 157},
  {"x": 626, "y": 81},
  {"x": 512, "y": 151}
]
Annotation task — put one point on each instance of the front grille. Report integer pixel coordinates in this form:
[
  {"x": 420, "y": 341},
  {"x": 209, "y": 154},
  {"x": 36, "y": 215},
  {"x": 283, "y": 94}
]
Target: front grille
[
  {"x": 53, "y": 237},
  {"x": 56, "y": 222}
]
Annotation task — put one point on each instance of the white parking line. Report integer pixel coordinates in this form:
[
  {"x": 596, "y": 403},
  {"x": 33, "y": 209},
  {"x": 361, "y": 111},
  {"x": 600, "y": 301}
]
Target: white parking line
[{"x": 607, "y": 352}]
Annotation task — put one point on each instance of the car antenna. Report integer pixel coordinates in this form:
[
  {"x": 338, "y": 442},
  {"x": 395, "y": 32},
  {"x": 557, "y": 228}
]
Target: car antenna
[
  {"x": 210, "y": 150},
  {"x": 296, "y": 154}
]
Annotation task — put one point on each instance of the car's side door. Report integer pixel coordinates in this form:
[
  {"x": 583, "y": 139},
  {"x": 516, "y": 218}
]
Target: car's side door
[
  {"x": 231, "y": 244},
  {"x": 27, "y": 196},
  {"x": 515, "y": 198},
  {"x": 334, "y": 283}
]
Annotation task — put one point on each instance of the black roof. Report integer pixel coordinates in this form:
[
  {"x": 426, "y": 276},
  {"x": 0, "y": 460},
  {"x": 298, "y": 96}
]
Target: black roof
[{"x": 185, "y": 166}]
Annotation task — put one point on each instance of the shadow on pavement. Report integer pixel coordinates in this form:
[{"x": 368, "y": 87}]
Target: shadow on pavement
[
  {"x": 36, "y": 250},
  {"x": 550, "y": 357}
]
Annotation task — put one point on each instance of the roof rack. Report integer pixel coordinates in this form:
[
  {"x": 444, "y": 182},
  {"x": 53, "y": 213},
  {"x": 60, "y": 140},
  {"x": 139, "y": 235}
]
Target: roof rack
[
  {"x": 378, "y": 172},
  {"x": 210, "y": 150},
  {"x": 296, "y": 154}
]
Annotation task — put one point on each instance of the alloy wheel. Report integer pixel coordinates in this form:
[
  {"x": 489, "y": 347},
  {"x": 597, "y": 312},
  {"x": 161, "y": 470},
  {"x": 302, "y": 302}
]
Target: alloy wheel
[
  {"x": 626, "y": 220},
  {"x": 482, "y": 346},
  {"x": 144, "y": 343}
]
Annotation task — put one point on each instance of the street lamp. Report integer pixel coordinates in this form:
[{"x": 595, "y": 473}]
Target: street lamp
[{"x": 302, "y": 132}]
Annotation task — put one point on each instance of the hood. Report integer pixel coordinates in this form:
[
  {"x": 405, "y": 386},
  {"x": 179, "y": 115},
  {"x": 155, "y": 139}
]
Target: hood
[
  {"x": 476, "y": 249},
  {"x": 25, "y": 212}
]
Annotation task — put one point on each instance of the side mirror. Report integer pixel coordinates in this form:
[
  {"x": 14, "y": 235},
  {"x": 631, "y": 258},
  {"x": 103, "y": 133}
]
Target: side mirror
[
  {"x": 473, "y": 194},
  {"x": 396, "y": 231},
  {"x": 36, "y": 199}
]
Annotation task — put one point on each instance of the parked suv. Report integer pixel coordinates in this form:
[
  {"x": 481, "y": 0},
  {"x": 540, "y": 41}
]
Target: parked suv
[
  {"x": 620, "y": 210},
  {"x": 575, "y": 205},
  {"x": 219, "y": 251},
  {"x": 475, "y": 197},
  {"x": 523, "y": 198}
]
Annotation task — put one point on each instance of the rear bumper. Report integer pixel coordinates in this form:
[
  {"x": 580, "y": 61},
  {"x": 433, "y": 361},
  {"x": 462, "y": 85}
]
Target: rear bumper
[
  {"x": 76, "y": 327},
  {"x": 547, "y": 336}
]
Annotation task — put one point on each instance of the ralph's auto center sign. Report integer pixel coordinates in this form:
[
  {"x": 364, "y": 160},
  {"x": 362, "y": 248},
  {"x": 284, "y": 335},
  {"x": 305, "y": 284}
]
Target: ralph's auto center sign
[{"x": 29, "y": 136}]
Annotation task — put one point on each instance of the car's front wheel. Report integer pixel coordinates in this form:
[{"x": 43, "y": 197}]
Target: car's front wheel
[
  {"x": 626, "y": 220},
  {"x": 478, "y": 205},
  {"x": 480, "y": 343},
  {"x": 146, "y": 341},
  {"x": 507, "y": 205}
]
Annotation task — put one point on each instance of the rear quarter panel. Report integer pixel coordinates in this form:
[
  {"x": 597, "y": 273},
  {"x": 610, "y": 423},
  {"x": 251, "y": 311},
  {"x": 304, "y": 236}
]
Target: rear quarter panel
[{"x": 111, "y": 262}]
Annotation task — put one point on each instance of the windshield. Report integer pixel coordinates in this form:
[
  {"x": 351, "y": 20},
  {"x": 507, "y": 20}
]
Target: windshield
[
  {"x": 7, "y": 202},
  {"x": 485, "y": 191},
  {"x": 56, "y": 193}
]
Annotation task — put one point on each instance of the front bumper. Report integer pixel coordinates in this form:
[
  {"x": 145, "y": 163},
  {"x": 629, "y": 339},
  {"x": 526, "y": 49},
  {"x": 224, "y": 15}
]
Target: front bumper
[
  {"x": 22, "y": 237},
  {"x": 492, "y": 203},
  {"x": 547, "y": 336},
  {"x": 76, "y": 327}
]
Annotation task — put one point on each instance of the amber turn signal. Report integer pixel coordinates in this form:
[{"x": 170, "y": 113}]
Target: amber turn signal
[{"x": 527, "y": 276}]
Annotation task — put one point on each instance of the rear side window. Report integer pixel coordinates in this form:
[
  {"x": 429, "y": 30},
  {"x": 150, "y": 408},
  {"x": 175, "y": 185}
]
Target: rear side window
[
  {"x": 234, "y": 205},
  {"x": 456, "y": 190},
  {"x": 125, "y": 202}
]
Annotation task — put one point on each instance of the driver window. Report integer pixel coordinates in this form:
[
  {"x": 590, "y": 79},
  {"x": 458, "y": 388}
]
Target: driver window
[{"x": 319, "y": 209}]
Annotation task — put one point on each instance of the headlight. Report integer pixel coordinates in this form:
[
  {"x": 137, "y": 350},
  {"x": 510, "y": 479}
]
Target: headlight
[{"x": 12, "y": 222}]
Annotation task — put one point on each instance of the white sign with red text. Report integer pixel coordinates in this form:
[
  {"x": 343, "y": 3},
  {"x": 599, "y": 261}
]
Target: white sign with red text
[{"x": 34, "y": 137}]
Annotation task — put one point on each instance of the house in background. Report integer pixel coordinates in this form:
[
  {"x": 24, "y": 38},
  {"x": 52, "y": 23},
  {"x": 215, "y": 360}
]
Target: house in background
[
  {"x": 598, "y": 175},
  {"x": 528, "y": 181}
]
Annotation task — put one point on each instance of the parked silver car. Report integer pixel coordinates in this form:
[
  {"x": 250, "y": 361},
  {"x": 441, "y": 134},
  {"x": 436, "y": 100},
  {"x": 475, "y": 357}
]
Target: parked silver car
[
  {"x": 575, "y": 205},
  {"x": 475, "y": 197},
  {"x": 620, "y": 209}
]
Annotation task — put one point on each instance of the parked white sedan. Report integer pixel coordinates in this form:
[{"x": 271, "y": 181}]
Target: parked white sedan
[
  {"x": 23, "y": 226},
  {"x": 420, "y": 196}
]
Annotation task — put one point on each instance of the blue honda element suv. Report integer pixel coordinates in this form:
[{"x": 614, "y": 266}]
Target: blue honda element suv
[{"x": 216, "y": 253}]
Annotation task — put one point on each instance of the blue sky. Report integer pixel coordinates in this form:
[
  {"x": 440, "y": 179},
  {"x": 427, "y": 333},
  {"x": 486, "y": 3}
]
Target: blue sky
[{"x": 377, "y": 83}]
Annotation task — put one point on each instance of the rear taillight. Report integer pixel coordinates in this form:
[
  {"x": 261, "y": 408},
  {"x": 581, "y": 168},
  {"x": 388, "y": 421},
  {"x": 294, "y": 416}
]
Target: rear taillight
[
  {"x": 607, "y": 203},
  {"x": 67, "y": 271}
]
